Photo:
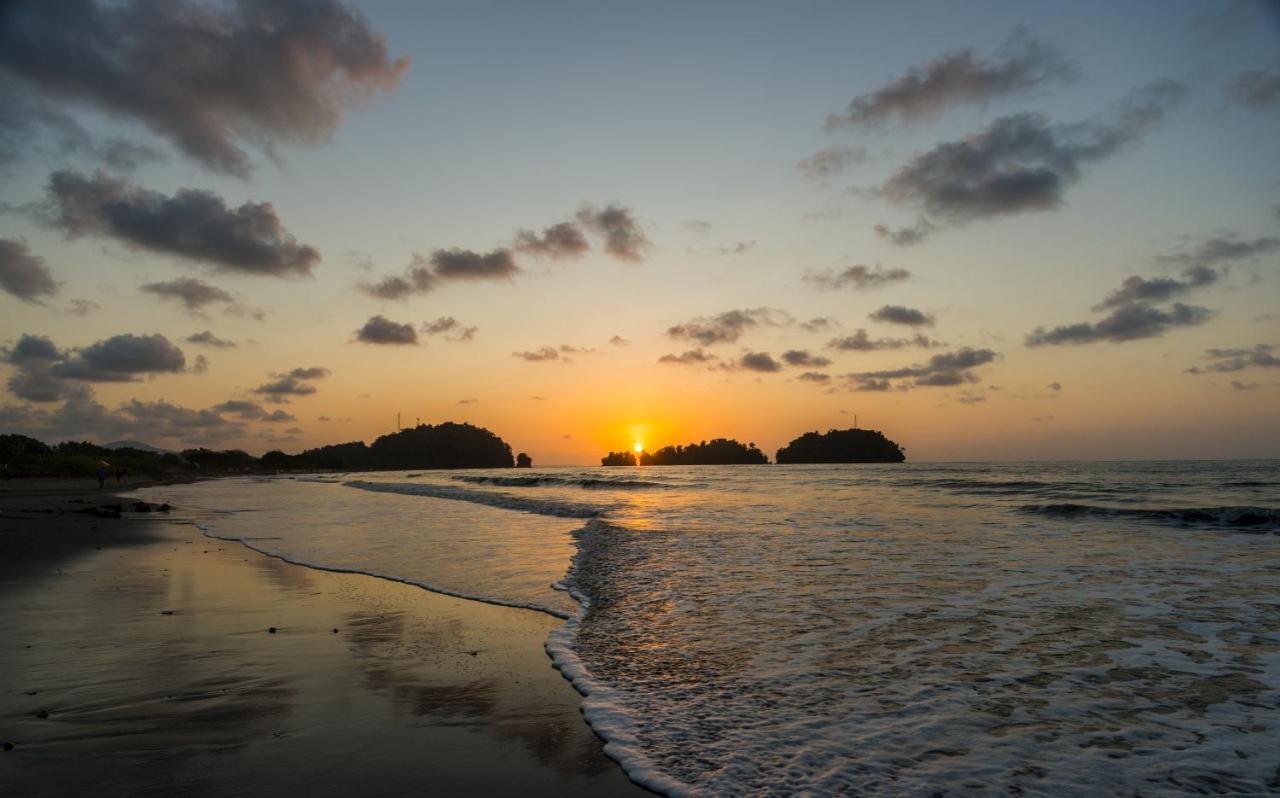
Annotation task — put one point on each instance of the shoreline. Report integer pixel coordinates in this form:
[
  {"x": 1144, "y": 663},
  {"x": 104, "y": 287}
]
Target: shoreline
[{"x": 139, "y": 649}]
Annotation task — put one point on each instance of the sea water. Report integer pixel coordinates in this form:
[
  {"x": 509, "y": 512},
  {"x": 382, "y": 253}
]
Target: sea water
[{"x": 906, "y": 629}]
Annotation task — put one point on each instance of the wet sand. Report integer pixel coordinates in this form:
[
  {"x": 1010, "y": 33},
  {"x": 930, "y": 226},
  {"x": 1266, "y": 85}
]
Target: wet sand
[{"x": 135, "y": 659}]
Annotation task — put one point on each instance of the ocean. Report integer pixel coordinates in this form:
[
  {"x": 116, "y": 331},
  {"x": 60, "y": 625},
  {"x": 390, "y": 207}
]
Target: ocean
[{"x": 1067, "y": 629}]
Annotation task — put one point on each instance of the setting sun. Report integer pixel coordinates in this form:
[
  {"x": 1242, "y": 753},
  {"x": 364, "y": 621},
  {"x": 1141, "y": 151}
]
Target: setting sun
[{"x": 638, "y": 446}]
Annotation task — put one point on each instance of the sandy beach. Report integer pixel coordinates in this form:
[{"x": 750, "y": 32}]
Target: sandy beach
[{"x": 138, "y": 659}]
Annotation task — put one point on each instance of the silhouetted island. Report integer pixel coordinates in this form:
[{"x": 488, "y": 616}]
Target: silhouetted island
[
  {"x": 720, "y": 451},
  {"x": 841, "y": 446}
]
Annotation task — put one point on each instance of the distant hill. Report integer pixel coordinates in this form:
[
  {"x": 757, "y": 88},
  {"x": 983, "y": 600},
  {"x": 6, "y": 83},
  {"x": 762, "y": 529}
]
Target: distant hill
[
  {"x": 841, "y": 446},
  {"x": 139, "y": 445}
]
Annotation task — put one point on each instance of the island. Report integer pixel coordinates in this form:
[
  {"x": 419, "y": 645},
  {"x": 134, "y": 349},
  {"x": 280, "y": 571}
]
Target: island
[
  {"x": 841, "y": 446},
  {"x": 720, "y": 451}
]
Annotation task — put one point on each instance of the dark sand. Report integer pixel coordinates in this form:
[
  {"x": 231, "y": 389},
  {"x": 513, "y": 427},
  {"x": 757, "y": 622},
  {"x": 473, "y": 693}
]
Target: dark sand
[{"x": 135, "y": 660}]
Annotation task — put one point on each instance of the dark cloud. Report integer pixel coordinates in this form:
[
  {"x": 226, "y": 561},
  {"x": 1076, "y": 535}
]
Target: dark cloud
[
  {"x": 828, "y": 163},
  {"x": 801, "y": 357},
  {"x": 34, "y": 356},
  {"x": 861, "y": 342},
  {"x": 31, "y": 125},
  {"x": 291, "y": 383},
  {"x": 83, "y": 307},
  {"x": 1022, "y": 64},
  {"x": 451, "y": 328},
  {"x": 859, "y": 277},
  {"x": 1054, "y": 386},
  {"x": 241, "y": 409},
  {"x": 942, "y": 370},
  {"x": 759, "y": 361},
  {"x": 540, "y": 355},
  {"x": 1229, "y": 360},
  {"x": 1258, "y": 89},
  {"x": 418, "y": 278},
  {"x": 207, "y": 338},
  {"x": 24, "y": 274},
  {"x": 1022, "y": 163},
  {"x": 207, "y": 77},
  {"x": 381, "y": 330},
  {"x": 815, "y": 376},
  {"x": 122, "y": 358},
  {"x": 1158, "y": 289},
  {"x": 729, "y": 326},
  {"x": 618, "y": 340},
  {"x": 623, "y": 237},
  {"x": 310, "y": 373},
  {"x": 898, "y": 314},
  {"x": 32, "y": 349},
  {"x": 564, "y": 240},
  {"x": 818, "y": 324},
  {"x": 191, "y": 224},
  {"x": 463, "y": 264},
  {"x": 201, "y": 365},
  {"x": 693, "y": 357},
  {"x": 1126, "y": 323},
  {"x": 277, "y": 417},
  {"x": 192, "y": 293},
  {"x": 906, "y": 236},
  {"x": 1222, "y": 249}
]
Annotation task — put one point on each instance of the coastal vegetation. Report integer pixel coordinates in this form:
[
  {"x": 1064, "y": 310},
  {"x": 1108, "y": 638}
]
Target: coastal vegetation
[
  {"x": 841, "y": 446},
  {"x": 720, "y": 451}
]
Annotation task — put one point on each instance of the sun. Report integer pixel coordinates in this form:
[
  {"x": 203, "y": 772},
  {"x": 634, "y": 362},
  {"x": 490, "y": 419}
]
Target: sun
[{"x": 638, "y": 446}]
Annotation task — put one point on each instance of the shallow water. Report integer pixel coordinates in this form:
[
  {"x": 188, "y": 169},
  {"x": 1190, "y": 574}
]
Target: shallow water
[{"x": 1065, "y": 629}]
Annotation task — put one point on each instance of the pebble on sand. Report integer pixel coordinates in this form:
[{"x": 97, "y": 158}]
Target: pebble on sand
[{"x": 271, "y": 630}]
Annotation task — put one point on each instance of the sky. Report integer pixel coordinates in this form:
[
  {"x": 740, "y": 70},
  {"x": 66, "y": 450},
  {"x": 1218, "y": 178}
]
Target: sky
[{"x": 993, "y": 231}]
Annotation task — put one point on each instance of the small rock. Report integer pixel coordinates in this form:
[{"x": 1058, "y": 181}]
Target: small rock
[
  {"x": 164, "y": 508},
  {"x": 335, "y": 631},
  {"x": 31, "y": 692},
  {"x": 8, "y": 746},
  {"x": 271, "y": 630},
  {"x": 166, "y": 612},
  {"x": 42, "y": 713}
]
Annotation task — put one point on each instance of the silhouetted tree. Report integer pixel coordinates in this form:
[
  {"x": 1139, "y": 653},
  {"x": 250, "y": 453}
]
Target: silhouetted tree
[
  {"x": 625, "y": 458},
  {"x": 720, "y": 451},
  {"x": 841, "y": 446}
]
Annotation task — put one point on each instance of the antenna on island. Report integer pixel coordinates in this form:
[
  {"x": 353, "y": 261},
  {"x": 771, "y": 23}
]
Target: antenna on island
[
  {"x": 855, "y": 420},
  {"x": 397, "y": 421}
]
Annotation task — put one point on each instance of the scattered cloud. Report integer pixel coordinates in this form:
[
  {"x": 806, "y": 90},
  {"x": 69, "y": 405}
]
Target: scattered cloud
[
  {"x": 738, "y": 248},
  {"x": 451, "y": 328},
  {"x": 122, "y": 358},
  {"x": 381, "y": 330},
  {"x": 1022, "y": 64},
  {"x": 859, "y": 277},
  {"x": 1237, "y": 385},
  {"x": 193, "y": 294},
  {"x": 860, "y": 341},
  {"x": 468, "y": 401},
  {"x": 418, "y": 278},
  {"x": 1054, "y": 386},
  {"x": 31, "y": 125},
  {"x": 192, "y": 224},
  {"x": 729, "y": 326},
  {"x": 540, "y": 355},
  {"x": 1022, "y": 163},
  {"x": 1257, "y": 90},
  {"x": 1228, "y": 360},
  {"x": 291, "y": 383},
  {"x": 83, "y": 307},
  {"x": 833, "y": 161},
  {"x": 1218, "y": 249},
  {"x": 906, "y": 236},
  {"x": 818, "y": 324},
  {"x": 1158, "y": 289},
  {"x": 240, "y": 408},
  {"x": 759, "y": 361},
  {"x": 815, "y": 376},
  {"x": 206, "y": 77},
  {"x": 1126, "y": 323},
  {"x": 23, "y": 273},
  {"x": 465, "y": 264},
  {"x": 899, "y": 314},
  {"x": 207, "y": 338},
  {"x": 693, "y": 357},
  {"x": 618, "y": 340},
  {"x": 563, "y": 240},
  {"x": 696, "y": 226},
  {"x": 802, "y": 357},
  {"x": 945, "y": 369},
  {"x": 623, "y": 237}
]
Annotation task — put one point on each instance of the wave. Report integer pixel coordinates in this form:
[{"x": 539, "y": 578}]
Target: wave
[
  {"x": 501, "y": 500},
  {"x": 1251, "y": 519},
  {"x": 542, "y": 480}
]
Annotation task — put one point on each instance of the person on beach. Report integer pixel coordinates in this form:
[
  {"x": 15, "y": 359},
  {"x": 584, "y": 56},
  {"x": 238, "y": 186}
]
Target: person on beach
[{"x": 102, "y": 476}]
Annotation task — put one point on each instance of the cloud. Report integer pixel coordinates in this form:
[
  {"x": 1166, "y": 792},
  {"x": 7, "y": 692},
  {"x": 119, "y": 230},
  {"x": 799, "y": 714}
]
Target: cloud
[
  {"x": 23, "y": 273},
  {"x": 1022, "y": 64},
  {"x": 83, "y": 307},
  {"x": 693, "y": 357},
  {"x": 31, "y": 125},
  {"x": 729, "y": 326},
  {"x": 291, "y": 383},
  {"x": 201, "y": 365},
  {"x": 818, "y": 324},
  {"x": 381, "y": 330},
  {"x": 192, "y": 293},
  {"x": 418, "y": 278},
  {"x": 858, "y": 277},
  {"x": 759, "y": 361},
  {"x": 1126, "y": 323},
  {"x": 1257, "y": 90},
  {"x": 540, "y": 355},
  {"x": 278, "y": 416},
  {"x": 447, "y": 324},
  {"x": 1222, "y": 249},
  {"x": 192, "y": 224},
  {"x": 898, "y": 314},
  {"x": 1022, "y": 163},
  {"x": 618, "y": 340},
  {"x": 122, "y": 358},
  {"x": 1158, "y": 289},
  {"x": 207, "y": 338},
  {"x": 828, "y": 163},
  {"x": 801, "y": 357},
  {"x": 623, "y": 237},
  {"x": 206, "y": 77},
  {"x": 32, "y": 349},
  {"x": 1236, "y": 385},
  {"x": 697, "y": 226},
  {"x": 464, "y": 264},
  {"x": 861, "y": 342},
  {"x": 81, "y": 416},
  {"x": 240, "y": 408},
  {"x": 1228, "y": 360},
  {"x": 310, "y": 373},
  {"x": 1054, "y": 386},
  {"x": 942, "y": 370},
  {"x": 815, "y": 376},
  {"x": 563, "y": 240},
  {"x": 737, "y": 248},
  {"x": 906, "y": 236}
]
